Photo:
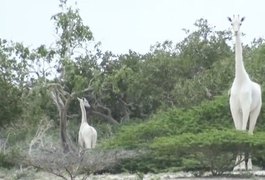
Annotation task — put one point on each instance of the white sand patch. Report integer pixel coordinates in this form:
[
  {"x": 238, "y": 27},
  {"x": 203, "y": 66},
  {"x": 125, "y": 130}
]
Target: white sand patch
[{"x": 40, "y": 175}]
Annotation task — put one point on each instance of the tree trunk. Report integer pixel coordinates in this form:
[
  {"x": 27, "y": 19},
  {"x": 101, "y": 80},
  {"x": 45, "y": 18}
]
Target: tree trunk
[
  {"x": 62, "y": 109},
  {"x": 63, "y": 120}
]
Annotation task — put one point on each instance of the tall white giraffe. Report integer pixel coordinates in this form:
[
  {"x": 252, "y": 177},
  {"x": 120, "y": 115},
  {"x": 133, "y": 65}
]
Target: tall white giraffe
[
  {"x": 245, "y": 96},
  {"x": 87, "y": 134}
]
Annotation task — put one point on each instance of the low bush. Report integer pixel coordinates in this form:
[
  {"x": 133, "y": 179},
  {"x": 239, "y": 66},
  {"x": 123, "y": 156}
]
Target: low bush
[
  {"x": 210, "y": 114},
  {"x": 201, "y": 138},
  {"x": 213, "y": 150}
]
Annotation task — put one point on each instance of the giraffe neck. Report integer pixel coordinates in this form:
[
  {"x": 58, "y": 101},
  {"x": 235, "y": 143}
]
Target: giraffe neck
[
  {"x": 83, "y": 110},
  {"x": 241, "y": 73}
]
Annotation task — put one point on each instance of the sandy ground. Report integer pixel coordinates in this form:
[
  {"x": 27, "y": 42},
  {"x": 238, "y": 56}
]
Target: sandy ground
[{"x": 33, "y": 175}]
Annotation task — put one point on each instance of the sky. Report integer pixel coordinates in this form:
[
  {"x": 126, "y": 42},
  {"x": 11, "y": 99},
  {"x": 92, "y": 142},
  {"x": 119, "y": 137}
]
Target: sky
[{"x": 121, "y": 25}]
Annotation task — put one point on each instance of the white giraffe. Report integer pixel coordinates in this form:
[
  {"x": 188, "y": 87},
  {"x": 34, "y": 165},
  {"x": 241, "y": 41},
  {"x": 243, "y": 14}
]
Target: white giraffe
[
  {"x": 87, "y": 134},
  {"x": 245, "y": 95}
]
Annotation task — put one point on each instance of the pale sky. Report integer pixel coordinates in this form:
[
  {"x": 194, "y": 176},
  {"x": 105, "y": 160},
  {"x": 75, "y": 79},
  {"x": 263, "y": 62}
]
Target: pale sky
[{"x": 121, "y": 25}]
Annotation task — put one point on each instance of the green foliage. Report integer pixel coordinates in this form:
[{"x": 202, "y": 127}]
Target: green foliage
[
  {"x": 205, "y": 85},
  {"x": 200, "y": 138},
  {"x": 146, "y": 163},
  {"x": 152, "y": 84},
  {"x": 12, "y": 76},
  {"x": 213, "y": 150},
  {"x": 10, "y": 103},
  {"x": 170, "y": 75},
  {"x": 4, "y": 161},
  {"x": 37, "y": 105},
  {"x": 70, "y": 28},
  {"x": 201, "y": 48},
  {"x": 210, "y": 114}
]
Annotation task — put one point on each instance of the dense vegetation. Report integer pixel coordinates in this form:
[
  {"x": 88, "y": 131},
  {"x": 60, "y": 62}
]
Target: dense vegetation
[{"x": 169, "y": 106}]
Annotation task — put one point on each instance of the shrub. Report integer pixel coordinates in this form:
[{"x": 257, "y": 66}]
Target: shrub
[
  {"x": 213, "y": 150},
  {"x": 174, "y": 121}
]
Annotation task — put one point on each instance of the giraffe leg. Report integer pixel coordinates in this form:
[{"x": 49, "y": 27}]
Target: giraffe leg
[
  {"x": 237, "y": 118},
  {"x": 237, "y": 163},
  {"x": 240, "y": 163},
  {"x": 252, "y": 123},
  {"x": 243, "y": 162},
  {"x": 249, "y": 163},
  {"x": 245, "y": 102},
  {"x": 245, "y": 117},
  {"x": 253, "y": 119}
]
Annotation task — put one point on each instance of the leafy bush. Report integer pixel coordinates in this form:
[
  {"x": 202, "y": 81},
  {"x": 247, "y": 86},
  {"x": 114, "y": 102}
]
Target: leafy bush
[
  {"x": 210, "y": 114},
  {"x": 200, "y": 138},
  {"x": 213, "y": 150},
  {"x": 146, "y": 163},
  {"x": 11, "y": 158},
  {"x": 4, "y": 161},
  {"x": 10, "y": 103}
]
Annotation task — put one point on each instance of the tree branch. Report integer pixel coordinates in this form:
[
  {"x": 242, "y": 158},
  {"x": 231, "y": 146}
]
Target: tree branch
[{"x": 107, "y": 117}]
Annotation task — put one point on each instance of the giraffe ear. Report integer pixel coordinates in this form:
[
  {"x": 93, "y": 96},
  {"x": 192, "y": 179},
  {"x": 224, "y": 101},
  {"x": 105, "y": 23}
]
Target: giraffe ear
[
  {"x": 86, "y": 102},
  {"x": 242, "y": 19},
  {"x": 84, "y": 99},
  {"x": 78, "y": 99},
  {"x": 229, "y": 19}
]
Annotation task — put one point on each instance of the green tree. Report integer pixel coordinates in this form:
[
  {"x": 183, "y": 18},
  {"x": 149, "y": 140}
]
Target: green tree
[
  {"x": 14, "y": 71},
  {"x": 73, "y": 35}
]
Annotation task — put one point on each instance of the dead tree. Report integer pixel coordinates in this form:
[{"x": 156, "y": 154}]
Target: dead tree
[{"x": 62, "y": 100}]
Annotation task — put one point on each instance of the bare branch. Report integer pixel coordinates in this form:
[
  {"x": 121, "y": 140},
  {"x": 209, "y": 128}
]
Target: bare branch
[
  {"x": 73, "y": 94},
  {"x": 126, "y": 109},
  {"x": 104, "y": 108},
  {"x": 40, "y": 133},
  {"x": 58, "y": 101},
  {"x": 107, "y": 117},
  {"x": 69, "y": 173},
  {"x": 125, "y": 103}
]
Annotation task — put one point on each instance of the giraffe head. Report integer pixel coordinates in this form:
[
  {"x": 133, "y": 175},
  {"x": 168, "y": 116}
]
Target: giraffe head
[
  {"x": 236, "y": 22},
  {"x": 84, "y": 101}
]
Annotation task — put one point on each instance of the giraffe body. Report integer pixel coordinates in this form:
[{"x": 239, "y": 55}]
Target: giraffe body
[
  {"x": 245, "y": 96},
  {"x": 87, "y": 136}
]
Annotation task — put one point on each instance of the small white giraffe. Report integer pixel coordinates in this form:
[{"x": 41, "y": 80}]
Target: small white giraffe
[
  {"x": 87, "y": 134},
  {"x": 245, "y": 95}
]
